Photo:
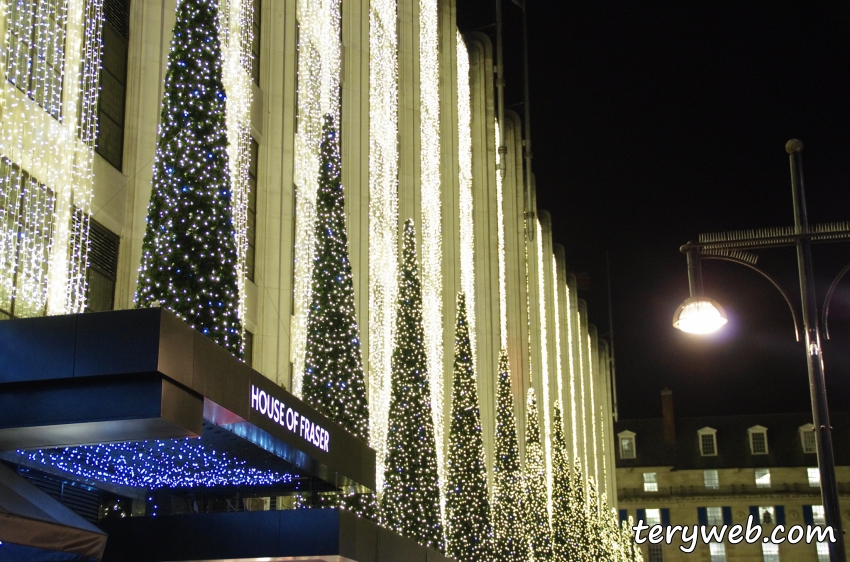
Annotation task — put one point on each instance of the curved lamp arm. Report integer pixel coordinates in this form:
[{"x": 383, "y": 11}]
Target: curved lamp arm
[
  {"x": 775, "y": 284},
  {"x": 828, "y": 298}
]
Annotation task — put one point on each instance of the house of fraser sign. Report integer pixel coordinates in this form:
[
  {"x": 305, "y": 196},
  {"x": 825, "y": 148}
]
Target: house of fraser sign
[{"x": 295, "y": 422}]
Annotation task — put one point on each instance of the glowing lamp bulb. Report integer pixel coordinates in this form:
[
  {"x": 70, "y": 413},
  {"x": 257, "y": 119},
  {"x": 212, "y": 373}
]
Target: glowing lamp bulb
[{"x": 699, "y": 315}]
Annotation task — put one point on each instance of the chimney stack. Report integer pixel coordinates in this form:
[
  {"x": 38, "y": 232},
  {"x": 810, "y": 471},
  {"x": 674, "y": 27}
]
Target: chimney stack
[{"x": 669, "y": 417}]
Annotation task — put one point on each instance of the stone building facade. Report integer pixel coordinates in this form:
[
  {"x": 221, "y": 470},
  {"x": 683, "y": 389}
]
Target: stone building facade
[
  {"x": 719, "y": 470},
  {"x": 416, "y": 104}
]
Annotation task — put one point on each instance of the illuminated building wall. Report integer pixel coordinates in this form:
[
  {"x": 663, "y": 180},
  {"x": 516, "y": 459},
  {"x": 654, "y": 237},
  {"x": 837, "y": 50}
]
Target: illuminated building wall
[{"x": 416, "y": 103}]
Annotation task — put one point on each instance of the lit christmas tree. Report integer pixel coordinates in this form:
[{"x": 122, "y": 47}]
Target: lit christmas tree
[
  {"x": 595, "y": 528},
  {"x": 578, "y": 547},
  {"x": 562, "y": 515},
  {"x": 468, "y": 531},
  {"x": 535, "y": 510},
  {"x": 189, "y": 249},
  {"x": 333, "y": 377},
  {"x": 632, "y": 550},
  {"x": 410, "y": 503},
  {"x": 509, "y": 539}
]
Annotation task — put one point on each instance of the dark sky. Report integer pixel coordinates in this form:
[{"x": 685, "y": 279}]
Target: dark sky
[{"x": 653, "y": 122}]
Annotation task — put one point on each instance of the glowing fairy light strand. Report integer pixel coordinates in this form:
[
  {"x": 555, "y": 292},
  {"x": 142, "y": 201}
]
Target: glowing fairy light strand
[
  {"x": 465, "y": 200},
  {"x": 318, "y": 95},
  {"x": 500, "y": 213},
  {"x": 383, "y": 218},
  {"x": 432, "y": 251},
  {"x": 573, "y": 391},
  {"x": 544, "y": 365}
]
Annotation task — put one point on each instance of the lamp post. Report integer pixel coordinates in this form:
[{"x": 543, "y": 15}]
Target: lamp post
[{"x": 699, "y": 314}]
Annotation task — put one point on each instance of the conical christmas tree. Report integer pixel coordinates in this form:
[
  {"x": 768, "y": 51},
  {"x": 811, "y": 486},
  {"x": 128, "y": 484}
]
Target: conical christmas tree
[
  {"x": 561, "y": 488},
  {"x": 189, "y": 249},
  {"x": 509, "y": 539},
  {"x": 410, "y": 503},
  {"x": 579, "y": 544},
  {"x": 468, "y": 531},
  {"x": 333, "y": 376},
  {"x": 534, "y": 508},
  {"x": 596, "y": 548}
]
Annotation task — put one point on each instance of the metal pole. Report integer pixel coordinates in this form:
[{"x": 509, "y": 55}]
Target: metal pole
[
  {"x": 694, "y": 272},
  {"x": 530, "y": 225},
  {"x": 814, "y": 356}
]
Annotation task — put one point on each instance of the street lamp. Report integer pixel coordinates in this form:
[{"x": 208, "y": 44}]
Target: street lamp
[{"x": 700, "y": 315}]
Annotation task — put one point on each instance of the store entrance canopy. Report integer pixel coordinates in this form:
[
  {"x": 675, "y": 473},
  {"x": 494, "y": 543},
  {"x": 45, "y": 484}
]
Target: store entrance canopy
[{"x": 140, "y": 375}]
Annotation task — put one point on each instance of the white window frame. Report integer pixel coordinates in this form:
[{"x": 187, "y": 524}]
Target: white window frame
[
  {"x": 717, "y": 551},
  {"x": 762, "y": 477},
  {"x": 768, "y": 510},
  {"x": 627, "y": 436},
  {"x": 714, "y": 516},
  {"x": 650, "y": 481},
  {"x": 770, "y": 552},
  {"x": 813, "y": 474},
  {"x": 711, "y": 479},
  {"x": 818, "y": 515},
  {"x": 752, "y": 432},
  {"x": 653, "y": 516},
  {"x": 808, "y": 430},
  {"x": 707, "y": 431}
]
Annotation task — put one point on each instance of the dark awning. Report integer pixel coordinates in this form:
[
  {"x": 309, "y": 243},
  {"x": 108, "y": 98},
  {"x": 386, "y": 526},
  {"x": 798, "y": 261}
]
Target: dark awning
[{"x": 31, "y": 522}]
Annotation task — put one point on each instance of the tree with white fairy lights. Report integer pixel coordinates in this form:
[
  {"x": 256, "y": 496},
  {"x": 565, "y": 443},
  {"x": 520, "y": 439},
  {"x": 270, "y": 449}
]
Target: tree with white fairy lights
[
  {"x": 410, "y": 504},
  {"x": 468, "y": 530},
  {"x": 509, "y": 540},
  {"x": 562, "y": 515},
  {"x": 189, "y": 263},
  {"x": 535, "y": 508},
  {"x": 334, "y": 382}
]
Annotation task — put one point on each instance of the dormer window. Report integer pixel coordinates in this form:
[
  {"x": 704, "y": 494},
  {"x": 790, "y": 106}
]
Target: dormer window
[
  {"x": 627, "y": 445},
  {"x": 707, "y": 442},
  {"x": 807, "y": 438},
  {"x": 758, "y": 440}
]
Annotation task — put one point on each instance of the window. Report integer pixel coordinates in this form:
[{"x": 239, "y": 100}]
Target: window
[
  {"x": 823, "y": 552},
  {"x": 103, "y": 266},
  {"x": 655, "y": 553},
  {"x": 26, "y": 236},
  {"x": 653, "y": 517},
  {"x": 711, "y": 479},
  {"x": 251, "y": 230},
  {"x": 248, "y": 348},
  {"x": 758, "y": 440},
  {"x": 627, "y": 445},
  {"x": 113, "y": 81},
  {"x": 35, "y": 57},
  {"x": 818, "y": 515},
  {"x": 808, "y": 439},
  {"x": 717, "y": 551},
  {"x": 714, "y": 516},
  {"x": 255, "y": 43},
  {"x": 707, "y": 442},
  {"x": 814, "y": 477},
  {"x": 770, "y": 552},
  {"x": 767, "y": 515},
  {"x": 762, "y": 478},
  {"x": 650, "y": 482}
]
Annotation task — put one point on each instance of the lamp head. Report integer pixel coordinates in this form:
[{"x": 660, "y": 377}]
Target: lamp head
[{"x": 699, "y": 315}]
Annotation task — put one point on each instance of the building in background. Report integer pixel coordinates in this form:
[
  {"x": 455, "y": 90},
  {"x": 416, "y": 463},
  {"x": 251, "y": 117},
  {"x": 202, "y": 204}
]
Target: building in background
[
  {"x": 718, "y": 470},
  {"x": 419, "y": 140}
]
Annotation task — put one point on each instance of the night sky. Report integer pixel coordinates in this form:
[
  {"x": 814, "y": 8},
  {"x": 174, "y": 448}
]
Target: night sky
[{"x": 653, "y": 122}]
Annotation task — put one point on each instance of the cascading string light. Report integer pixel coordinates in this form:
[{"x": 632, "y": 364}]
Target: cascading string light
[
  {"x": 556, "y": 306},
  {"x": 319, "y": 60},
  {"x": 593, "y": 413},
  {"x": 465, "y": 199},
  {"x": 544, "y": 365},
  {"x": 383, "y": 218},
  {"x": 431, "y": 205},
  {"x": 51, "y": 141},
  {"x": 171, "y": 463},
  {"x": 235, "y": 24},
  {"x": 573, "y": 392},
  {"x": 582, "y": 379},
  {"x": 500, "y": 214}
]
